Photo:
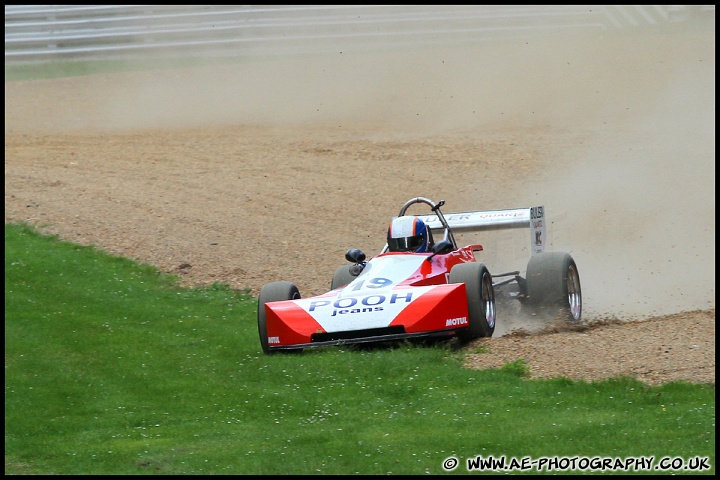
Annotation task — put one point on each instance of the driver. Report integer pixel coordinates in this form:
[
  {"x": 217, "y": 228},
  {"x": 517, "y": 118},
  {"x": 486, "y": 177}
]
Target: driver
[{"x": 408, "y": 234}]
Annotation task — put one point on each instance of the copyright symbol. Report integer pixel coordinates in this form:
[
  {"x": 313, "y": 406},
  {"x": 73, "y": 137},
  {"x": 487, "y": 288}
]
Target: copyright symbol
[{"x": 450, "y": 463}]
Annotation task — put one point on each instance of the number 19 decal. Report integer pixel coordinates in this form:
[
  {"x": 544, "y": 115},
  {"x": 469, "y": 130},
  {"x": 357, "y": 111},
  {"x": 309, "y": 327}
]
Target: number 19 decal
[{"x": 377, "y": 282}]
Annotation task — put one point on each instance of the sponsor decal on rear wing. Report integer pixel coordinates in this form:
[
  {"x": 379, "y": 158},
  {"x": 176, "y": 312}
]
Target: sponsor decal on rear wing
[{"x": 532, "y": 218}]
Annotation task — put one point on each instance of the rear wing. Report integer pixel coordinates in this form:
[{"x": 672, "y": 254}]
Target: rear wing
[{"x": 531, "y": 217}]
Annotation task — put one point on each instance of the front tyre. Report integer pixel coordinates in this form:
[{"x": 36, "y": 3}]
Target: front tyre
[
  {"x": 553, "y": 281},
  {"x": 273, "y": 292},
  {"x": 480, "y": 297},
  {"x": 341, "y": 277}
]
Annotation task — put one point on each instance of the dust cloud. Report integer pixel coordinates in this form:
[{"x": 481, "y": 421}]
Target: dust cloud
[
  {"x": 636, "y": 198},
  {"x": 626, "y": 162},
  {"x": 640, "y": 198}
]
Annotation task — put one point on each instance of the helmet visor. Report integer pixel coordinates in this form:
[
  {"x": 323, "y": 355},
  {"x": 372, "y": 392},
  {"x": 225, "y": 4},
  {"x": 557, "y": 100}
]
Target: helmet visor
[{"x": 405, "y": 244}]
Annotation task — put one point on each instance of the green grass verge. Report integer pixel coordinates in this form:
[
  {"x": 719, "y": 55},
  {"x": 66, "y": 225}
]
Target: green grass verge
[
  {"x": 111, "y": 368},
  {"x": 76, "y": 68}
]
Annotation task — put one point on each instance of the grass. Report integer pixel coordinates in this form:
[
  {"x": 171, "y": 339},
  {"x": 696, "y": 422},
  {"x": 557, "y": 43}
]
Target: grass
[
  {"x": 55, "y": 68},
  {"x": 111, "y": 368}
]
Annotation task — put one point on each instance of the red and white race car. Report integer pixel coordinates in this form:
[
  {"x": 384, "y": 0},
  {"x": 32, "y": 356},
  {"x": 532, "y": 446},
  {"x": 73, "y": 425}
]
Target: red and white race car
[{"x": 417, "y": 287}]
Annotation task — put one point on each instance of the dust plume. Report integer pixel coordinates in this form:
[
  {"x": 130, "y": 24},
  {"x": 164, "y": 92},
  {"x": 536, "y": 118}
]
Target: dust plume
[
  {"x": 640, "y": 197},
  {"x": 623, "y": 155}
]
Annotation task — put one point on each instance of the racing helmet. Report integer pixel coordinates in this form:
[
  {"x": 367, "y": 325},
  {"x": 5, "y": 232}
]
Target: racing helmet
[{"x": 408, "y": 234}]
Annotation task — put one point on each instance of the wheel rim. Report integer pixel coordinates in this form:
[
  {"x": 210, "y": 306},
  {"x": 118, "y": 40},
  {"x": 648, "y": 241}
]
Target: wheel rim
[
  {"x": 489, "y": 300},
  {"x": 574, "y": 295}
]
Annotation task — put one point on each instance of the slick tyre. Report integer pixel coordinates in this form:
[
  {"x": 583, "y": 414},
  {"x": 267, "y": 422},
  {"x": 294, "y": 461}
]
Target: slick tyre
[
  {"x": 553, "y": 283},
  {"x": 273, "y": 292},
  {"x": 341, "y": 277},
  {"x": 480, "y": 297}
]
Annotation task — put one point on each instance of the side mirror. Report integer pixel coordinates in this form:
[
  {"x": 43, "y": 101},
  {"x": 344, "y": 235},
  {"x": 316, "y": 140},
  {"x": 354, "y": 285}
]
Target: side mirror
[
  {"x": 355, "y": 255},
  {"x": 357, "y": 269},
  {"x": 442, "y": 247}
]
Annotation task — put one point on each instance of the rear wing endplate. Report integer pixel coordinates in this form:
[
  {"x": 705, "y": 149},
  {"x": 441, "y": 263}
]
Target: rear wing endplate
[{"x": 532, "y": 218}]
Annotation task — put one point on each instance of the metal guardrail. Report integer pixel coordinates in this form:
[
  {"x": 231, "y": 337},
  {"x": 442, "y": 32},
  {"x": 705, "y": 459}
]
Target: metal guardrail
[{"x": 41, "y": 33}]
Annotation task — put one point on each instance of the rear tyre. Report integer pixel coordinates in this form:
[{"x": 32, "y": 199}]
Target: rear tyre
[
  {"x": 480, "y": 298},
  {"x": 273, "y": 292},
  {"x": 553, "y": 282},
  {"x": 341, "y": 277}
]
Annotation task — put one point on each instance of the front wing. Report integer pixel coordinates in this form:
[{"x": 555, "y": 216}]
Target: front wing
[{"x": 368, "y": 316}]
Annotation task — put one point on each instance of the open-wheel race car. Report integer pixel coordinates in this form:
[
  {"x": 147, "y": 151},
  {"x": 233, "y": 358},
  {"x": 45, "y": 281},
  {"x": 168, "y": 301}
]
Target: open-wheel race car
[{"x": 421, "y": 285}]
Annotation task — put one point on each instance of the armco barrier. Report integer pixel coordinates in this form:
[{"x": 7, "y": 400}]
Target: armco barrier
[{"x": 41, "y": 33}]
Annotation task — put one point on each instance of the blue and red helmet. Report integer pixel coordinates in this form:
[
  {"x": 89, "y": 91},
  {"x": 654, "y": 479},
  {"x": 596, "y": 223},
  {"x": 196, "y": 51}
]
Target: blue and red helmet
[{"x": 408, "y": 234}]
